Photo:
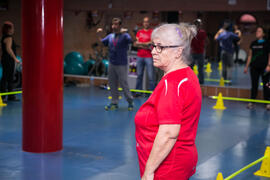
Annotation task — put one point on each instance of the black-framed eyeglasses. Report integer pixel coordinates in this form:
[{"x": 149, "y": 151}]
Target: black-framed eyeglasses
[{"x": 159, "y": 48}]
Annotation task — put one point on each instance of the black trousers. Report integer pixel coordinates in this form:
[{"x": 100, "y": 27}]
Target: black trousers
[
  {"x": 8, "y": 65},
  {"x": 255, "y": 74},
  {"x": 236, "y": 50}
]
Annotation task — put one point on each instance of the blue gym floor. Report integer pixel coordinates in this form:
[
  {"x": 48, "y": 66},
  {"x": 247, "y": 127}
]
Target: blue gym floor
[{"x": 100, "y": 145}]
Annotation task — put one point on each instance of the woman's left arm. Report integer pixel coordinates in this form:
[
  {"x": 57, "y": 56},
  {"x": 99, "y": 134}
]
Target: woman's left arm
[
  {"x": 163, "y": 144},
  {"x": 268, "y": 65}
]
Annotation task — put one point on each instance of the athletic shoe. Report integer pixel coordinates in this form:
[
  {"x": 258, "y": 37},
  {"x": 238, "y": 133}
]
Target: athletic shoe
[
  {"x": 111, "y": 106},
  {"x": 250, "y": 106},
  {"x": 130, "y": 106}
]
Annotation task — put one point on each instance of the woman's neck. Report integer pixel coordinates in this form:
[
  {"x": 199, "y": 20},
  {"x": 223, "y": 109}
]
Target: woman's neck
[{"x": 174, "y": 67}]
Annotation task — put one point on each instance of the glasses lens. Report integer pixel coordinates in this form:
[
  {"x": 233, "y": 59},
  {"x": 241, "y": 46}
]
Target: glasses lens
[
  {"x": 152, "y": 46},
  {"x": 158, "y": 48}
]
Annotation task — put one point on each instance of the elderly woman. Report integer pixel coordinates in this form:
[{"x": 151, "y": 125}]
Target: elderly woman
[{"x": 166, "y": 124}]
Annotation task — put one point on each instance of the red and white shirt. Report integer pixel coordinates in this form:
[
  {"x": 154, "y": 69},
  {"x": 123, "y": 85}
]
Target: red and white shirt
[
  {"x": 176, "y": 100},
  {"x": 144, "y": 36}
]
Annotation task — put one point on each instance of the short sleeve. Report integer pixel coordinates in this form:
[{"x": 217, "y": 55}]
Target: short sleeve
[
  {"x": 170, "y": 104},
  {"x": 105, "y": 40},
  {"x": 138, "y": 34}
]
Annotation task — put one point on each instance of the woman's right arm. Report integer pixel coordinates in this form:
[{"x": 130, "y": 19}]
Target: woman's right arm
[
  {"x": 248, "y": 61},
  {"x": 8, "y": 42}
]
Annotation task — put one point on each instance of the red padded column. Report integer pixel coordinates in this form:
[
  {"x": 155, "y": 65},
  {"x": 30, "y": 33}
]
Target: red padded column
[{"x": 42, "y": 54}]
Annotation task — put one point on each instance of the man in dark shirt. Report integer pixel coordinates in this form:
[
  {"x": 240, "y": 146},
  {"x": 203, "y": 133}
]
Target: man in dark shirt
[{"x": 118, "y": 42}]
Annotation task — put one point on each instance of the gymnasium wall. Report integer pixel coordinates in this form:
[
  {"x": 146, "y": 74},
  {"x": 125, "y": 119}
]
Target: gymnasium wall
[{"x": 79, "y": 36}]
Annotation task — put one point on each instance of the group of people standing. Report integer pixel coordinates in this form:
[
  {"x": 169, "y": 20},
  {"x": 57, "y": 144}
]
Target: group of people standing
[
  {"x": 227, "y": 37},
  {"x": 118, "y": 42},
  {"x": 258, "y": 61}
]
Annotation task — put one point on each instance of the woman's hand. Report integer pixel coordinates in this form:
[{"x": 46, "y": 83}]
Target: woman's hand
[
  {"x": 17, "y": 61},
  {"x": 148, "y": 176},
  {"x": 246, "y": 70},
  {"x": 267, "y": 69}
]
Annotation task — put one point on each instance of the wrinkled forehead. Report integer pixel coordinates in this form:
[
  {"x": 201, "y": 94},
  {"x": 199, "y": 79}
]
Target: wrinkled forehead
[{"x": 157, "y": 41}]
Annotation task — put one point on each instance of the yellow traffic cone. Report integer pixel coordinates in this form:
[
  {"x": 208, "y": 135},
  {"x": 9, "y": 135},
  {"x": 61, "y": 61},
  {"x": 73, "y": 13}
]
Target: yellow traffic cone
[
  {"x": 1, "y": 102},
  {"x": 208, "y": 68},
  {"x": 208, "y": 74},
  {"x": 221, "y": 82},
  {"x": 219, "y": 104},
  {"x": 195, "y": 69},
  {"x": 220, "y": 65},
  {"x": 219, "y": 176},
  {"x": 265, "y": 167}
]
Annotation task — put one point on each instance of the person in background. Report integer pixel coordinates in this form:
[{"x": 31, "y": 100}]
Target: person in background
[
  {"x": 143, "y": 40},
  {"x": 259, "y": 64},
  {"x": 197, "y": 49},
  {"x": 8, "y": 60},
  {"x": 166, "y": 124},
  {"x": 237, "y": 43},
  {"x": 226, "y": 38},
  {"x": 118, "y": 42}
]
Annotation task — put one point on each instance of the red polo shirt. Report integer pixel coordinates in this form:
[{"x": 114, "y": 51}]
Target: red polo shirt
[
  {"x": 144, "y": 36},
  {"x": 176, "y": 100}
]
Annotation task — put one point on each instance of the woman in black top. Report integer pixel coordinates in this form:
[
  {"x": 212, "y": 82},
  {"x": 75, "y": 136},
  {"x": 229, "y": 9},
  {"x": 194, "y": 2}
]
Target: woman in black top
[
  {"x": 8, "y": 59},
  {"x": 259, "y": 62}
]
